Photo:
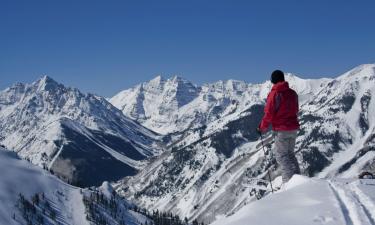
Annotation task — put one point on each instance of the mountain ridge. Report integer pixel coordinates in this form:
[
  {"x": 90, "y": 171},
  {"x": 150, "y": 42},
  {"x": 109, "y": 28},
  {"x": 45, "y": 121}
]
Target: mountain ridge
[
  {"x": 30, "y": 195},
  {"x": 202, "y": 105},
  {"x": 44, "y": 119}
]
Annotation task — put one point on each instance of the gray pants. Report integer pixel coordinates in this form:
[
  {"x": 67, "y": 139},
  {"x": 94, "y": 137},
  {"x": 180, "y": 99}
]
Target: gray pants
[{"x": 284, "y": 152}]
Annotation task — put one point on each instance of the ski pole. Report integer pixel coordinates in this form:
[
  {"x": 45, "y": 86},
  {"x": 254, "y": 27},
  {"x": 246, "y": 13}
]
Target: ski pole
[{"x": 265, "y": 155}]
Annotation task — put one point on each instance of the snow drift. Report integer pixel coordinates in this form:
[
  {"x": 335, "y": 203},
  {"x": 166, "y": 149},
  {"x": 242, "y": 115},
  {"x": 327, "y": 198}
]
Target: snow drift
[{"x": 311, "y": 201}]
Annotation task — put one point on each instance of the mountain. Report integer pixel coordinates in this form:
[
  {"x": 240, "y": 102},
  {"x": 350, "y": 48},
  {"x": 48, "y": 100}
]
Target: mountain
[
  {"x": 216, "y": 166},
  {"x": 80, "y": 137},
  {"x": 30, "y": 195},
  {"x": 208, "y": 163},
  {"x": 310, "y": 202},
  {"x": 176, "y": 105},
  {"x": 154, "y": 103}
]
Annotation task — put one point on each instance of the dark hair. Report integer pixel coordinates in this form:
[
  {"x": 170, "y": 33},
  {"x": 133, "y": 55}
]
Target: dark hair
[{"x": 277, "y": 76}]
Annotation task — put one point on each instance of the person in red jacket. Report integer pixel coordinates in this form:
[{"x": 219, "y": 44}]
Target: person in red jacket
[{"x": 281, "y": 111}]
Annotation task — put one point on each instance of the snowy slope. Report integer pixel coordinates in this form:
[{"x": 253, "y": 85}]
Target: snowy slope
[
  {"x": 207, "y": 170},
  {"x": 311, "y": 201},
  {"x": 21, "y": 177},
  {"x": 355, "y": 91},
  {"x": 69, "y": 132},
  {"x": 337, "y": 127}
]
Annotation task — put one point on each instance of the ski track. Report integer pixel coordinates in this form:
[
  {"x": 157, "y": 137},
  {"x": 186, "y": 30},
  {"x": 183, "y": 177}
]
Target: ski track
[
  {"x": 365, "y": 209},
  {"x": 354, "y": 210},
  {"x": 343, "y": 207},
  {"x": 367, "y": 204}
]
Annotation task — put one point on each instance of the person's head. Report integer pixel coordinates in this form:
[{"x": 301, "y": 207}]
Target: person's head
[{"x": 277, "y": 76}]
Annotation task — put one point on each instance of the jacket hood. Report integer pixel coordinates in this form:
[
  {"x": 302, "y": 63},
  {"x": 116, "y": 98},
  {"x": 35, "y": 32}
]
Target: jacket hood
[{"x": 281, "y": 86}]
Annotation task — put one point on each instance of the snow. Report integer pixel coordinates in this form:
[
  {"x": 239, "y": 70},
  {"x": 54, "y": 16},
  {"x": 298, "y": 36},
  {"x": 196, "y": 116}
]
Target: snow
[
  {"x": 295, "y": 181},
  {"x": 364, "y": 70},
  {"x": 359, "y": 82},
  {"x": 32, "y": 117},
  {"x": 175, "y": 104},
  {"x": 357, "y": 168},
  {"x": 36, "y": 120},
  {"x": 55, "y": 157},
  {"x": 106, "y": 189},
  {"x": 334, "y": 132},
  {"x": 364, "y": 189},
  {"x": 310, "y": 201},
  {"x": 21, "y": 177},
  {"x": 122, "y": 158}
]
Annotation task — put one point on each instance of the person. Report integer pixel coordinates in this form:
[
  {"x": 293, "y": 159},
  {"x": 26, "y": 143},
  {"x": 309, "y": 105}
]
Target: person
[{"x": 281, "y": 112}]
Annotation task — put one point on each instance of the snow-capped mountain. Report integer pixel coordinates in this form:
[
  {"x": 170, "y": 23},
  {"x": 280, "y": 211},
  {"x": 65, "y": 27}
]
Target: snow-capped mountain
[
  {"x": 73, "y": 134},
  {"x": 209, "y": 162},
  {"x": 175, "y": 104},
  {"x": 213, "y": 167},
  {"x": 30, "y": 195}
]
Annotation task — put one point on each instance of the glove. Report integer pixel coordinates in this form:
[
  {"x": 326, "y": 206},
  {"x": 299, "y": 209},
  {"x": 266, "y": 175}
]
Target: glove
[{"x": 259, "y": 131}]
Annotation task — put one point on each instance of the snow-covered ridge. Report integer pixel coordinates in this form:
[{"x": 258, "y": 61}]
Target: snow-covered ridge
[
  {"x": 44, "y": 121},
  {"x": 175, "y": 104},
  {"x": 68, "y": 207},
  {"x": 362, "y": 71},
  {"x": 23, "y": 178}
]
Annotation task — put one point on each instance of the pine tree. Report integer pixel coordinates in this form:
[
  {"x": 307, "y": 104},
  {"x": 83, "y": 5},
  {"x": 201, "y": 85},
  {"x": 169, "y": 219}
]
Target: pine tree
[{"x": 35, "y": 199}]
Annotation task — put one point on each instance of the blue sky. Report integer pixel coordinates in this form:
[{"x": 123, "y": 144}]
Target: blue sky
[{"x": 106, "y": 46}]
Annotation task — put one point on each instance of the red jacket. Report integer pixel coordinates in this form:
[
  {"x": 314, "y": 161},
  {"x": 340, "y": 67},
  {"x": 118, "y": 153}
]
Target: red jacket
[{"x": 281, "y": 109}]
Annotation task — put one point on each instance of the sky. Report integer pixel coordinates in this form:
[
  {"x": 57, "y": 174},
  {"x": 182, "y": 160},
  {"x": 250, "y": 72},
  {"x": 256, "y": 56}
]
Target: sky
[{"x": 103, "y": 47}]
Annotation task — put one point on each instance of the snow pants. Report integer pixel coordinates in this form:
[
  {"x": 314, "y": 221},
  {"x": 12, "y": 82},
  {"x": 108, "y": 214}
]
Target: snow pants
[{"x": 284, "y": 152}]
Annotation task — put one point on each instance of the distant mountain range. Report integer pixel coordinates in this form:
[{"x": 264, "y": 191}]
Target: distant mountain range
[
  {"x": 175, "y": 104},
  {"x": 188, "y": 149}
]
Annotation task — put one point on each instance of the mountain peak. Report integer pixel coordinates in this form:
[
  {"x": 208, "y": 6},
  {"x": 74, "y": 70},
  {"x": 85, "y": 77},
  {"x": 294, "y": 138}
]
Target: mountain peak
[
  {"x": 157, "y": 80},
  {"x": 46, "y": 83},
  {"x": 175, "y": 81},
  {"x": 291, "y": 77},
  {"x": 361, "y": 71},
  {"x": 46, "y": 79},
  {"x": 160, "y": 79},
  {"x": 18, "y": 86},
  {"x": 177, "y": 78},
  {"x": 181, "y": 82}
]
